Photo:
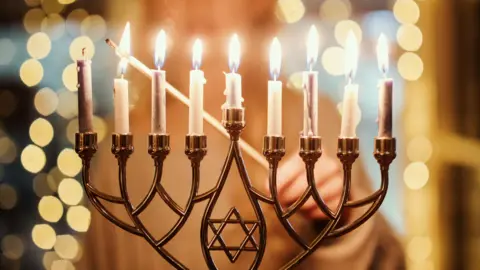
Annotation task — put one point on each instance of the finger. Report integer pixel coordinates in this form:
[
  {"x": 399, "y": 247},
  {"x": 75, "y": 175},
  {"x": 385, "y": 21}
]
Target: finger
[
  {"x": 330, "y": 193},
  {"x": 295, "y": 190},
  {"x": 289, "y": 171}
]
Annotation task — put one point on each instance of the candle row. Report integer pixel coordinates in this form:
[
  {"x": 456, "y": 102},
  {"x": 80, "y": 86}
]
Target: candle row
[{"x": 233, "y": 90}]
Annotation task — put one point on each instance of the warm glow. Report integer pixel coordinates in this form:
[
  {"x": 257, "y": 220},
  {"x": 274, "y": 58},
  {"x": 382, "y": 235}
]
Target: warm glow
[
  {"x": 351, "y": 56},
  {"x": 234, "y": 53},
  {"x": 312, "y": 46},
  {"x": 125, "y": 48},
  {"x": 382, "y": 53},
  {"x": 275, "y": 58},
  {"x": 197, "y": 54},
  {"x": 160, "y": 48}
]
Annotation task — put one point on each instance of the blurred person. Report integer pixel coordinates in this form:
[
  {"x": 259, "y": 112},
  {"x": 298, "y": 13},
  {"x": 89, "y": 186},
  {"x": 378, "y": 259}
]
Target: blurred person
[{"x": 372, "y": 246}]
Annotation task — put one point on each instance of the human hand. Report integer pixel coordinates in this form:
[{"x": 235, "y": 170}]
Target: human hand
[{"x": 292, "y": 182}]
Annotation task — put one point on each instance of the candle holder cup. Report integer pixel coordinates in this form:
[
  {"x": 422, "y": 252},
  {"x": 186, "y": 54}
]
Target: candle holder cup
[{"x": 273, "y": 150}]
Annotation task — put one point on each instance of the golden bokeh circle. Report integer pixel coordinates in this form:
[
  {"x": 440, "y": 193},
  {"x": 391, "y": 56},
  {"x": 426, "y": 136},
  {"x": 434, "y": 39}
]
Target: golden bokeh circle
[
  {"x": 41, "y": 186},
  {"x": 410, "y": 66},
  {"x": 32, "y": 3},
  {"x": 289, "y": 11},
  {"x": 8, "y": 50},
  {"x": 41, "y": 132},
  {"x": 342, "y": 29},
  {"x": 50, "y": 208},
  {"x": 70, "y": 191},
  {"x": 46, "y": 101},
  {"x": 39, "y": 45},
  {"x": 78, "y": 45},
  {"x": 67, "y": 247},
  {"x": 99, "y": 125},
  {"x": 94, "y": 26},
  {"x": 419, "y": 149},
  {"x": 79, "y": 218},
  {"x": 12, "y": 247},
  {"x": 419, "y": 248},
  {"x": 52, "y": 6},
  {"x": 335, "y": 10},
  {"x": 66, "y": 2},
  {"x": 55, "y": 176},
  {"x": 54, "y": 26},
  {"x": 48, "y": 259},
  {"x": 33, "y": 19},
  {"x": 416, "y": 175},
  {"x": 67, "y": 104},
  {"x": 333, "y": 60},
  {"x": 409, "y": 37},
  {"x": 62, "y": 265},
  {"x": 295, "y": 81},
  {"x": 69, "y": 77},
  {"x": 31, "y": 72},
  {"x": 44, "y": 236},
  {"x": 8, "y": 197},
  {"x": 406, "y": 11},
  {"x": 33, "y": 158},
  {"x": 69, "y": 163},
  {"x": 8, "y": 103},
  {"x": 8, "y": 150},
  {"x": 74, "y": 20}
]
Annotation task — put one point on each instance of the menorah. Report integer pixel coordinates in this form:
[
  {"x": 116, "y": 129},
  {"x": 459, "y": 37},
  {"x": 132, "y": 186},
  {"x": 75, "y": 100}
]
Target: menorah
[{"x": 273, "y": 150}]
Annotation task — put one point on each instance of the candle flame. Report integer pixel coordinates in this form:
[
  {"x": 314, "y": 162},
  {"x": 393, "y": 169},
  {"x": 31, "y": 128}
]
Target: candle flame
[
  {"x": 234, "y": 53},
  {"x": 197, "y": 54},
  {"x": 351, "y": 56},
  {"x": 160, "y": 48},
  {"x": 312, "y": 46},
  {"x": 275, "y": 58},
  {"x": 124, "y": 46},
  {"x": 382, "y": 53}
]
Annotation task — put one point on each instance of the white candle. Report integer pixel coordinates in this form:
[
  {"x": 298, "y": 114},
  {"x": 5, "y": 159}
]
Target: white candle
[
  {"x": 274, "y": 124},
  {"x": 159, "y": 121},
  {"x": 85, "y": 103},
  {"x": 197, "y": 79},
  {"x": 385, "y": 91},
  {"x": 350, "y": 96},
  {"x": 233, "y": 90},
  {"x": 310, "y": 86},
  {"x": 120, "y": 98}
]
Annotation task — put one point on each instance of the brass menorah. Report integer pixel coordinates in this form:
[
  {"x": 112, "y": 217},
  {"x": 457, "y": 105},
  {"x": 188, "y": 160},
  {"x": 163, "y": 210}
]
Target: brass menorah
[{"x": 273, "y": 150}]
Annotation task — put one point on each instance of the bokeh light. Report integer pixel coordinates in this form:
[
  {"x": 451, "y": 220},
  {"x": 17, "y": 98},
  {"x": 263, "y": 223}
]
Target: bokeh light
[
  {"x": 342, "y": 29},
  {"x": 32, "y": 20},
  {"x": 8, "y": 51},
  {"x": 410, "y": 66},
  {"x": 335, "y": 10},
  {"x": 52, "y": 6},
  {"x": 74, "y": 20},
  {"x": 79, "y": 218},
  {"x": 69, "y": 77},
  {"x": 419, "y": 248},
  {"x": 94, "y": 26},
  {"x": 78, "y": 45},
  {"x": 289, "y": 11},
  {"x": 62, "y": 265},
  {"x": 406, "y": 11},
  {"x": 99, "y": 125},
  {"x": 333, "y": 60},
  {"x": 39, "y": 45},
  {"x": 409, "y": 37},
  {"x": 8, "y": 197},
  {"x": 33, "y": 158},
  {"x": 55, "y": 176},
  {"x": 12, "y": 247},
  {"x": 46, "y": 101},
  {"x": 67, "y": 247},
  {"x": 8, "y": 150},
  {"x": 32, "y": 3},
  {"x": 44, "y": 236},
  {"x": 416, "y": 175},
  {"x": 67, "y": 104},
  {"x": 48, "y": 259},
  {"x": 50, "y": 208},
  {"x": 8, "y": 103},
  {"x": 31, "y": 72},
  {"x": 41, "y": 132},
  {"x": 295, "y": 81},
  {"x": 69, "y": 163},
  {"x": 41, "y": 186},
  {"x": 419, "y": 149},
  {"x": 54, "y": 26},
  {"x": 70, "y": 191},
  {"x": 66, "y": 2}
]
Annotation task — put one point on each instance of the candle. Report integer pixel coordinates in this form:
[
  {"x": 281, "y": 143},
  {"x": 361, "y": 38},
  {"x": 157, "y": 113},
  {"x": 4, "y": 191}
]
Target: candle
[
  {"x": 350, "y": 96},
  {"x": 159, "y": 122},
  {"x": 85, "y": 103},
  {"x": 120, "y": 89},
  {"x": 195, "y": 124},
  {"x": 385, "y": 90},
  {"x": 233, "y": 83},
  {"x": 310, "y": 86},
  {"x": 274, "y": 126}
]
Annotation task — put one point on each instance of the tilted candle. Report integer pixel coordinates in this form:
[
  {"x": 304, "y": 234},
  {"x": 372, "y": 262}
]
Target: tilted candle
[
  {"x": 197, "y": 79},
  {"x": 385, "y": 91},
  {"x": 310, "y": 86},
  {"x": 159, "y": 121},
  {"x": 350, "y": 96},
  {"x": 274, "y": 124}
]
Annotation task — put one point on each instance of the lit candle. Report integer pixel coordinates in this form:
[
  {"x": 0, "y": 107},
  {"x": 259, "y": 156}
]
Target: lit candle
[
  {"x": 85, "y": 103},
  {"x": 197, "y": 79},
  {"x": 159, "y": 122},
  {"x": 274, "y": 126},
  {"x": 120, "y": 89},
  {"x": 233, "y": 89},
  {"x": 350, "y": 96},
  {"x": 310, "y": 86},
  {"x": 385, "y": 90}
]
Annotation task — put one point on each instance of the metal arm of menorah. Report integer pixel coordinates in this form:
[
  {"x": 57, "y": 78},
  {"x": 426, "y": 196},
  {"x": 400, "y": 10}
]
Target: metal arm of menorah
[{"x": 274, "y": 150}]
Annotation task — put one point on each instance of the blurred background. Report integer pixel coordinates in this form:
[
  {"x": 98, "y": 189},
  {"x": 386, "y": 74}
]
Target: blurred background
[{"x": 433, "y": 201}]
